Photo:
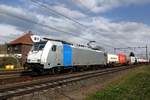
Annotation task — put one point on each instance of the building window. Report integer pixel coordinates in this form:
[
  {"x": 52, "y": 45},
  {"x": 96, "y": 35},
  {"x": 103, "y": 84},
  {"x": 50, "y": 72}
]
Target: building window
[
  {"x": 8, "y": 48},
  {"x": 16, "y": 48}
]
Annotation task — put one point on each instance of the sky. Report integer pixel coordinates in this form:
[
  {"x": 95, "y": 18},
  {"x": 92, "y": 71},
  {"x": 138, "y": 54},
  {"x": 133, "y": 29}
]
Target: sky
[{"x": 111, "y": 23}]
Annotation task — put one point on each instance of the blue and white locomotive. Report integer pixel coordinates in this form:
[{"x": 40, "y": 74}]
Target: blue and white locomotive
[{"x": 56, "y": 55}]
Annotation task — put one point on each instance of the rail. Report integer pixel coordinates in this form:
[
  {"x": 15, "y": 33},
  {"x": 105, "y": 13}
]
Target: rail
[{"x": 18, "y": 89}]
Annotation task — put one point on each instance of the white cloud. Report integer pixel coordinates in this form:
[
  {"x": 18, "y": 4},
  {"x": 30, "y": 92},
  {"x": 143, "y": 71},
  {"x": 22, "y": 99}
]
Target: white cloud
[
  {"x": 103, "y": 30},
  {"x": 57, "y": 21},
  {"x": 68, "y": 12},
  {"x": 119, "y": 34},
  {"x": 8, "y": 30},
  {"x": 45, "y": 21},
  {"x": 105, "y": 5}
]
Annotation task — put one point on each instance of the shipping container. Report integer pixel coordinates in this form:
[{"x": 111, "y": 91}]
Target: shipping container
[
  {"x": 141, "y": 60},
  {"x": 122, "y": 58},
  {"x": 112, "y": 58},
  {"x": 131, "y": 60}
]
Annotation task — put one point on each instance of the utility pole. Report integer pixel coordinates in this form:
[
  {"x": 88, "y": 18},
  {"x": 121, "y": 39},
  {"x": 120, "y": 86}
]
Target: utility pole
[
  {"x": 114, "y": 50},
  {"x": 146, "y": 52},
  {"x": 127, "y": 48}
]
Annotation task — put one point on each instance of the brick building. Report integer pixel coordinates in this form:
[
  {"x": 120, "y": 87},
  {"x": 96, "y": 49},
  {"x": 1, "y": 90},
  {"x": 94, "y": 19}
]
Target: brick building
[{"x": 21, "y": 46}]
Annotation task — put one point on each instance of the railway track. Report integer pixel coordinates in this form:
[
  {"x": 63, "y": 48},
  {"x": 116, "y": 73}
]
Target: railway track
[
  {"x": 10, "y": 74},
  {"x": 21, "y": 88},
  {"x": 6, "y": 72},
  {"x": 9, "y": 77},
  {"x": 5, "y": 75}
]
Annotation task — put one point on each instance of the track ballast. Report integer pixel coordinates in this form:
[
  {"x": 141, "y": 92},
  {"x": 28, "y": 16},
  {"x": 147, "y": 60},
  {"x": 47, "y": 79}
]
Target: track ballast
[{"x": 17, "y": 89}]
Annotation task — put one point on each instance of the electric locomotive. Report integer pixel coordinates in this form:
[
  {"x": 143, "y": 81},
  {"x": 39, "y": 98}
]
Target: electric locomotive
[{"x": 56, "y": 55}]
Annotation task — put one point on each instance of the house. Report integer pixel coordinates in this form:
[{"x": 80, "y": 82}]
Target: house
[{"x": 21, "y": 46}]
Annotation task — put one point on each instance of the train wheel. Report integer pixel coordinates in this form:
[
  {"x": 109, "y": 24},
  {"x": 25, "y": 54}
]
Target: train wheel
[
  {"x": 75, "y": 69},
  {"x": 56, "y": 70}
]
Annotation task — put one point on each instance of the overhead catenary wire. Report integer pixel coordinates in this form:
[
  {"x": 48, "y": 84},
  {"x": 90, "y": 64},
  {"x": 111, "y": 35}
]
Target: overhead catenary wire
[
  {"x": 47, "y": 8},
  {"x": 57, "y": 13},
  {"x": 36, "y": 2},
  {"x": 139, "y": 47},
  {"x": 39, "y": 4},
  {"x": 43, "y": 25}
]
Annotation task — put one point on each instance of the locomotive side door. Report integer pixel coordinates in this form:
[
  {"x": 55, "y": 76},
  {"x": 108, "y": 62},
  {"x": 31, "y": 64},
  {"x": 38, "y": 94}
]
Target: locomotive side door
[{"x": 53, "y": 56}]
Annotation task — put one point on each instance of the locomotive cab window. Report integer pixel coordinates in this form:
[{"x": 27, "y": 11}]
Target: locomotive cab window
[
  {"x": 54, "y": 48},
  {"x": 39, "y": 46}
]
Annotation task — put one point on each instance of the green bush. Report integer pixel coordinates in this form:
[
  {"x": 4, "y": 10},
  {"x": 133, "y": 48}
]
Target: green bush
[{"x": 9, "y": 60}]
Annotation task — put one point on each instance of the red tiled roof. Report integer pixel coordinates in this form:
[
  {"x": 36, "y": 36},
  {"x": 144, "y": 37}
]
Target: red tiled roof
[{"x": 25, "y": 39}]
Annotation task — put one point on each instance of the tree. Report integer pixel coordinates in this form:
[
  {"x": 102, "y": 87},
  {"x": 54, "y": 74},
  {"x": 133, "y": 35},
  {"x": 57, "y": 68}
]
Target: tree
[{"x": 132, "y": 54}]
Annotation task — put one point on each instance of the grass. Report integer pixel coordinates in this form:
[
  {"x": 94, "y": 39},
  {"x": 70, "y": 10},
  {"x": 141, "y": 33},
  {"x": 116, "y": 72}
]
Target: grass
[{"x": 135, "y": 86}]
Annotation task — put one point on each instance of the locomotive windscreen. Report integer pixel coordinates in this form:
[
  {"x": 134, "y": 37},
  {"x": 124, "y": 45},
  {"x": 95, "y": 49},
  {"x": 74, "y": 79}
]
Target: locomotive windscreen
[{"x": 39, "y": 46}]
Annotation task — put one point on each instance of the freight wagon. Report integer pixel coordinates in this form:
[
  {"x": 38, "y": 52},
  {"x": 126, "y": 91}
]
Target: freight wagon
[
  {"x": 112, "y": 59},
  {"x": 120, "y": 59},
  {"x": 142, "y": 61}
]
